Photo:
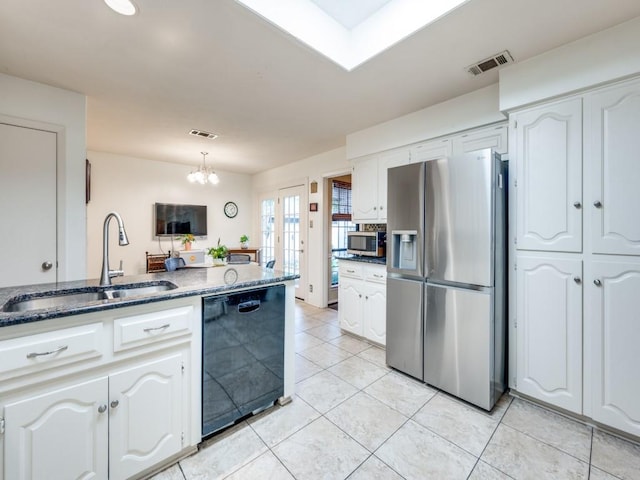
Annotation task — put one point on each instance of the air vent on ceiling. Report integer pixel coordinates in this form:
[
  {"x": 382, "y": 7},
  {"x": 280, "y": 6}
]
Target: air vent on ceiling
[
  {"x": 200, "y": 133},
  {"x": 493, "y": 61}
]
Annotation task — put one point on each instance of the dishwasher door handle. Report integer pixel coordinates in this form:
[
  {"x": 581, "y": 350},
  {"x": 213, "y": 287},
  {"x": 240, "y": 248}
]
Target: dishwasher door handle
[{"x": 248, "y": 307}]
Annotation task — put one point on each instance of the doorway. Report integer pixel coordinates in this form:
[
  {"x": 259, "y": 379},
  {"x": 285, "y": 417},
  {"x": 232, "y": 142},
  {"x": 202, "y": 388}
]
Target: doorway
[{"x": 339, "y": 212}]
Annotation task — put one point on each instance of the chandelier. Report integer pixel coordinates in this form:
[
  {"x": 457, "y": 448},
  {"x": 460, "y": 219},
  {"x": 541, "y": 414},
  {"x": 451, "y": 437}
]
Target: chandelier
[{"x": 204, "y": 174}]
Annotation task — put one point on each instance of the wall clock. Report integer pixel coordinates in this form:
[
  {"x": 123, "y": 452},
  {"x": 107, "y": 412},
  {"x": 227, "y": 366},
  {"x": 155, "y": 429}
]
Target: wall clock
[{"x": 230, "y": 209}]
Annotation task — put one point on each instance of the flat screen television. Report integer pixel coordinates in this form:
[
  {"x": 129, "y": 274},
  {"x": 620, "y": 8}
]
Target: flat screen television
[{"x": 174, "y": 219}]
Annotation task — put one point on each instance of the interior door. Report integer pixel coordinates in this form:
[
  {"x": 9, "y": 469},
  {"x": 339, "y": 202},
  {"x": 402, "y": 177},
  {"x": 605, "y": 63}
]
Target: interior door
[
  {"x": 292, "y": 237},
  {"x": 28, "y": 245}
]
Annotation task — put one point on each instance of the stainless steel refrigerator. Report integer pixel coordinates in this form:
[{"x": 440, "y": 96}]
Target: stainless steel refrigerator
[{"x": 446, "y": 259}]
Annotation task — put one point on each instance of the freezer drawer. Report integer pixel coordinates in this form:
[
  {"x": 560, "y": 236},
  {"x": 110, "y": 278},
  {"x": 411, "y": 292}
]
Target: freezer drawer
[
  {"x": 404, "y": 325},
  {"x": 459, "y": 344}
]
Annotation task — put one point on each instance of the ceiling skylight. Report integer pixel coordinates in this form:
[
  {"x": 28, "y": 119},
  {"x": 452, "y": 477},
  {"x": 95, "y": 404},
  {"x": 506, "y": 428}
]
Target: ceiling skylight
[{"x": 350, "y": 32}]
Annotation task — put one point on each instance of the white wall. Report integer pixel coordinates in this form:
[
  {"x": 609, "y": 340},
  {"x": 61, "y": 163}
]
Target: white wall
[
  {"x": 131, "y": 186},
  {"x": 42, "y": 103},
  {"x": 304, "y": 172},
  {"x": 472, "y": 110},
  {"x": 602, "y": 57}
]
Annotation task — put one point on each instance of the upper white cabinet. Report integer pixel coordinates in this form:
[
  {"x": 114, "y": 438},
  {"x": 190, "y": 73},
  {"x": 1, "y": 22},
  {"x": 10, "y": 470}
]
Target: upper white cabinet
[
  {"x": 494, "y": 137},
  {"x": 613, "y": 159},
  {"x": 548, "y": 156},
  {"x": 369, "y": 200},
  {"x": 431, "y": 150}
]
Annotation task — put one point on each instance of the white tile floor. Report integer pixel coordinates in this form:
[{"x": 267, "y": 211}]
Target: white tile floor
[{"x": 354, "y": 418}]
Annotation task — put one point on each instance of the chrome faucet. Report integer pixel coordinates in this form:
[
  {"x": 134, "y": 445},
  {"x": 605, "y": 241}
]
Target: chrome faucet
[{"x": 105, "y": 278}]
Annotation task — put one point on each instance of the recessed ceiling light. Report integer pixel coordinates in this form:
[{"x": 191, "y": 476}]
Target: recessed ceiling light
[{"x": 123, "y": 7}]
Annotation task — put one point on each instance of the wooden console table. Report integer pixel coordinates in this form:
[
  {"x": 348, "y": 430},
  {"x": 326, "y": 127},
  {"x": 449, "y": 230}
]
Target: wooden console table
[{"x": 250, "y": 251}]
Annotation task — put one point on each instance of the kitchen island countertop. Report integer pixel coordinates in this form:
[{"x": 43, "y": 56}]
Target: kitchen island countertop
[{"x": 189, "y": 281}]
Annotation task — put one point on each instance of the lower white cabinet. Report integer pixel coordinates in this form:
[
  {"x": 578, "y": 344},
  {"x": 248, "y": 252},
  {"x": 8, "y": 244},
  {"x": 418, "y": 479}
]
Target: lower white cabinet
[
  {"x": 612, "y": 290},
  {"x": 362, "y": 297},
  {"x": 549, "y": 330},
  {"x": 59, "y": 435},
  {"x": 113, "y": 415}
]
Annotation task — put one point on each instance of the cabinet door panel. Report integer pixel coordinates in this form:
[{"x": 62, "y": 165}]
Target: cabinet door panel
[
  {"x": 350, "y": 301},
  {"x": 614, "y": 341},
  {"x": 387, "y": 161},
  {"x": 431, "y": 150},
  {"x": 549, "y": 330},
  {"x": 365, "y": 190},
  {"x": 615, "y": 170},
  {"x": 145, "y": 425},
  {"x": 549, "y": 177},
  {"x": 375, "y": 314},
  {"x": 493, "y": 137},
  {"x": 59, "y": 435}
]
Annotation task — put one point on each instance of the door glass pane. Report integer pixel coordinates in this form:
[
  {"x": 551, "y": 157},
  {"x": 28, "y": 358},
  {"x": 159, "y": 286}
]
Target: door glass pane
[
  {"x": 291, "y": 234},
  {"x": 267, "y": 228}
]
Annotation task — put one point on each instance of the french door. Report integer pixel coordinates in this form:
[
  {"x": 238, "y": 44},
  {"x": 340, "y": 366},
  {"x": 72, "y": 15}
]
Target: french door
[{"x": 292, "y": 235}]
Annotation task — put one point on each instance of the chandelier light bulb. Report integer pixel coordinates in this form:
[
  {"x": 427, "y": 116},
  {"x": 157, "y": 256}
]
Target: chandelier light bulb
[{"x": 204, "y": 174}]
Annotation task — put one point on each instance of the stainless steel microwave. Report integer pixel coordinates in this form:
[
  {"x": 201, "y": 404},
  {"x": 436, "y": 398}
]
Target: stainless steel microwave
[{"x": 370, "y": 244}]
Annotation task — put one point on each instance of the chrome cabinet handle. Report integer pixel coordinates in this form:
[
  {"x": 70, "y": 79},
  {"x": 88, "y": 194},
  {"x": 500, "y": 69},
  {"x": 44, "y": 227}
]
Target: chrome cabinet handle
[
  {"x": 597, "y": 204},
  {"x": 577, "y": 280},
  {"x": 115, "y": 403},
  {"x": 46, "y": 266},
  {"x": 161, "y": 327},
  {"x": 351, "y": 271},
  {"x": 597, "y": 282},
  {"x": 378, "y": 276},
  {"x": 578, "y": 205},
  {"x": 40, "y": 354},
  {"x": 102, "y": 408}
]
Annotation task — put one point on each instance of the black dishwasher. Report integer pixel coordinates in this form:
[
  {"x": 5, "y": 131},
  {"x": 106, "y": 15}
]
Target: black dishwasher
[{"x": 242, "y": 355}]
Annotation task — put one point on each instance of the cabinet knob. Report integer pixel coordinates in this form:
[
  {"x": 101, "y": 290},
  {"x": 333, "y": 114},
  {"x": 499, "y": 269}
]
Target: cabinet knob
[
  {"x": 102, "y": 408},
  {"x": 115, "y": 403},
  {"x": 380, "y": 207},
  {"x": 359, "y": 295},
  {"x": 597, "y": 204},
  {"x": 577, "y": 280},
  {"x": 366, "y": 297},
  {"x": 375, "y": 208},
  {"x": 597, "y": 282},
  {"x": 578, "y": 205},
  {"x": 46, "y": 266}
]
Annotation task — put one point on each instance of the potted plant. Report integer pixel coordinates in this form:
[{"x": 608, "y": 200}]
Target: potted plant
[
  {"x": 219, "y": 254},
  {"x": 244, "y": 242},
  {"x": 187, "y": 239}
]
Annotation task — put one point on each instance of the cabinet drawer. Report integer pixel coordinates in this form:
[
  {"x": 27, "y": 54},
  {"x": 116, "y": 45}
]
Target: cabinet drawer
[
  {"x": 34, "y": 353},
  {"x": 350, "y": 269},
  {"x": 137, "y": 330},
  {"x": 376, "y": 274}
]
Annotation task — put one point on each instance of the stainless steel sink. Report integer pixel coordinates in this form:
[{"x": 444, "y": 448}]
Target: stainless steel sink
[{"x": 53, "y": 299}]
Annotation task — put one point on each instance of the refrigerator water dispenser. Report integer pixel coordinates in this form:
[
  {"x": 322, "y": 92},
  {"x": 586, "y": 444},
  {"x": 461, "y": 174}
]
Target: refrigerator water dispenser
[{"x": 404, "y": 249}]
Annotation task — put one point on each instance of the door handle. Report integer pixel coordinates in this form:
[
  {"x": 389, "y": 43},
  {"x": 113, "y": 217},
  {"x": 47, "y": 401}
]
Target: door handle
[{"x": 46, "y": 266}]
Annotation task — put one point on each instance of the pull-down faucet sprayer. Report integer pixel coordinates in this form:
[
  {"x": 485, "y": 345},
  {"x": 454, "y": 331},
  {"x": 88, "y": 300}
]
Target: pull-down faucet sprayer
[{"x": 105, "y": 277}]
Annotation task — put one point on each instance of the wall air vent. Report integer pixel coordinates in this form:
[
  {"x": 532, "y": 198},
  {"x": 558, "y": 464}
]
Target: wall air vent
[
  {"x": 493, "y": 61},
  {"x": 200, "y": 133}
]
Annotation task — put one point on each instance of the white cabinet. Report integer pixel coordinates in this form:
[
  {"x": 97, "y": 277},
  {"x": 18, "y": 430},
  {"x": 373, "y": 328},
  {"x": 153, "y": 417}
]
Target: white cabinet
[
  {"x": 109, "y": 398},
  {"x": 58, "y": 435},
  {"x": 548, "y": 157},
  {"x": 613, "y": 200},
  {"x": 431, "y": 150},
  {"x": 369, "y": 200},
  {"x": 549, "y": 330},
  {"x": 363, "y": 298},
  {"x": 612, "y": 291},
  {"x": 494, "y": 137},
  {"x": 577, "y": 209}
]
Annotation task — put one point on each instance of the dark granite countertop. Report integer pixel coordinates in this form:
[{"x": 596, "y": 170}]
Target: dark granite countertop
[
  {"x": 363, "y": 259},
  {"x": 190, "y": 282}
]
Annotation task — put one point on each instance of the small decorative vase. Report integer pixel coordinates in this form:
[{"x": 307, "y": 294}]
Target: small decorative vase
[
  {"x": 187, "y": 246},
  {"x": 244, "y": 245},
  {"x": 219, "y": 261}
]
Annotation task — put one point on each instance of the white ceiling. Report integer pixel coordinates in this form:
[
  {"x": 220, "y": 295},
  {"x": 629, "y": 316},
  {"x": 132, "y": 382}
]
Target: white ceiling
[{"x": 216, "y": 66}]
